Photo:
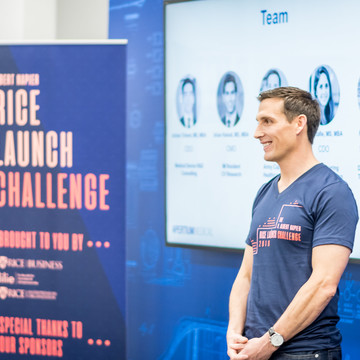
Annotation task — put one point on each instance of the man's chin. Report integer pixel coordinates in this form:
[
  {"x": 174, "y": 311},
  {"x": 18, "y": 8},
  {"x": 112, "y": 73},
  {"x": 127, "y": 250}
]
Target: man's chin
[{"x": 268, "y": 157}]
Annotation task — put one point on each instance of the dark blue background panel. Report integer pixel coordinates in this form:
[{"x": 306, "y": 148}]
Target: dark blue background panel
[{"x": 69, "y": 284}]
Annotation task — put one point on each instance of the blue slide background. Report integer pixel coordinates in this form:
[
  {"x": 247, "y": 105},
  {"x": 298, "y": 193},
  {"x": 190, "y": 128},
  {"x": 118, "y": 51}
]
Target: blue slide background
[{"x": 177, "y": 298}]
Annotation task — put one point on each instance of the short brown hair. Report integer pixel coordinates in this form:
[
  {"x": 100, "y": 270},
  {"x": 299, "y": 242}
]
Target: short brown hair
[{"x": 297, "y": 102}]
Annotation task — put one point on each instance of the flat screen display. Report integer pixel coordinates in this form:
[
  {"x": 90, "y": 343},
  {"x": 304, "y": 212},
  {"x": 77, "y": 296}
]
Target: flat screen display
[{"x": 219, "y": 54}]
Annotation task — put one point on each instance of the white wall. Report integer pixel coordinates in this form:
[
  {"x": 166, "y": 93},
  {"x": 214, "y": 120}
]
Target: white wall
[
  {"x": 12, "y": 19},
  {"x": 39, "y": 19},
  {"x": 53, "y": 19},
  {"x": 82, "y": 19}
]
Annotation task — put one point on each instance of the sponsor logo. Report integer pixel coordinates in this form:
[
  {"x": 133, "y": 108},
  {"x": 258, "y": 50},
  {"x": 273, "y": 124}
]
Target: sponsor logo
[
  {"x": 6, "y": 293},
  {"x": 6, "y": 262},
  {"x": 6, "y": 279},
  {"x": 11, "y": 293},
  {"x": 192, "y": 230}
]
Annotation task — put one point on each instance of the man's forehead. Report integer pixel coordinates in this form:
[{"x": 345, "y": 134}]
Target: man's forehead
[
  {"x": 271, "y": 106},
  {"x": 272, "y": 103},
  {"x": 273, "y": 100}
]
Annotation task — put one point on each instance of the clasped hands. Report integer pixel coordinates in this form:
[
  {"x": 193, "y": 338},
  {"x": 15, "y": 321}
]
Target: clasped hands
[{"x": 240, "y": 348}]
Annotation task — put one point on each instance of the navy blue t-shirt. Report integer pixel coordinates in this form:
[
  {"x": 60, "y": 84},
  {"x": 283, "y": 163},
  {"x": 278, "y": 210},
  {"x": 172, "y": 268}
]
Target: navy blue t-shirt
[{"x": 317, "y": 209}]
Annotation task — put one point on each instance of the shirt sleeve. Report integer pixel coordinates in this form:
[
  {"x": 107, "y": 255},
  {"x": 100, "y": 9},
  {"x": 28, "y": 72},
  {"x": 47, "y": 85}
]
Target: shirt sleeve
[{"x": 336, "y": 215}]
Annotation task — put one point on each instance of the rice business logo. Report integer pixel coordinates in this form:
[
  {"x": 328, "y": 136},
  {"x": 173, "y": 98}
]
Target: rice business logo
[
  {"x": 6, "y": 262},
  {"x": 11, "y": 263},
  {"x": 11, "y": 293},
  {"x": 6, "y": 293},
  {"x": 192, "y": 230}
]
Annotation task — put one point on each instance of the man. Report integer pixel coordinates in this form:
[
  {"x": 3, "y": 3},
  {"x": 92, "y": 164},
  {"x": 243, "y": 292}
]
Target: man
[
  {"x": 188, "y": 102},
  {"x": 284, "y": 298},
  {"x": 229, "y": 95}
]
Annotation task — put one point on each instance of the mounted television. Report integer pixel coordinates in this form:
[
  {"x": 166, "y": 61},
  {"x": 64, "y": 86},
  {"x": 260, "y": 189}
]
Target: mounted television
[{"x": 219, "y": 54}]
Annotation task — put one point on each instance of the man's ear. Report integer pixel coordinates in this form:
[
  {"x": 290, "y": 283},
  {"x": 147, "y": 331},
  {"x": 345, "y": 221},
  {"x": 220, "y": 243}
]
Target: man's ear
[{"x": 301, "y": 121}]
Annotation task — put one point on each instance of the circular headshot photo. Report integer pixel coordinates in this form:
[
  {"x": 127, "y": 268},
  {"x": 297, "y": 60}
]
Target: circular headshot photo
[
  {"x": 273, "y": 79},
  {"x": 324, "y": 87},
  {"x": 230, "y": 99},
  {"x": 186, "y": 101}
]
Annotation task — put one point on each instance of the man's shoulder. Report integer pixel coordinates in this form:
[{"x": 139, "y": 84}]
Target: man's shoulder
[
  {"x": 329, "y": 189},
  {"x": 323, "y": 177},
  {"x": 330, "y": 172},
  {"x": 266, "y": 187}
]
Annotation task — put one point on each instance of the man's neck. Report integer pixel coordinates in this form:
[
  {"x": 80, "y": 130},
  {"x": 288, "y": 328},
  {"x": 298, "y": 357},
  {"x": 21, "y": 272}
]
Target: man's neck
[{"x": 292, "y": 168}]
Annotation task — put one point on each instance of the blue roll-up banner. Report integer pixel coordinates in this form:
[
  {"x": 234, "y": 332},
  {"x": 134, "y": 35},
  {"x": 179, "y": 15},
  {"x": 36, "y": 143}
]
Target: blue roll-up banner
[{"x": 62, "y": 200}]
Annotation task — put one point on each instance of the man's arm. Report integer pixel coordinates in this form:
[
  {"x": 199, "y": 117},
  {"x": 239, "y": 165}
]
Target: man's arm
[
  {"x": 328, "y": 263},
  {"x": 237, "y": 306}
]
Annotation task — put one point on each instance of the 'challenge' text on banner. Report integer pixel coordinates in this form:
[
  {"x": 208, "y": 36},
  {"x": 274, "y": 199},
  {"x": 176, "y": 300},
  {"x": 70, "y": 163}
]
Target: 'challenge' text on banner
[{"x": 39, "y": 149}]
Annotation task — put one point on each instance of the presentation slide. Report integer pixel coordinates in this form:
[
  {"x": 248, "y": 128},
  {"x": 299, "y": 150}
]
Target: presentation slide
[{"x": 219, "y": 55}]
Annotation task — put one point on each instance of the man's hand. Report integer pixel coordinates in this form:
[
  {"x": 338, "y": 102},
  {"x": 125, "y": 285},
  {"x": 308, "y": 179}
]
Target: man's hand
[
  {"x": 236, "y": 343},
  {"x": 258, "y": 348}
]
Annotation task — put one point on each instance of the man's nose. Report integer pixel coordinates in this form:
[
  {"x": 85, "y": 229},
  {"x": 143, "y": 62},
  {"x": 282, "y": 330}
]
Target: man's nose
[{"x": 258, "y": 132}]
